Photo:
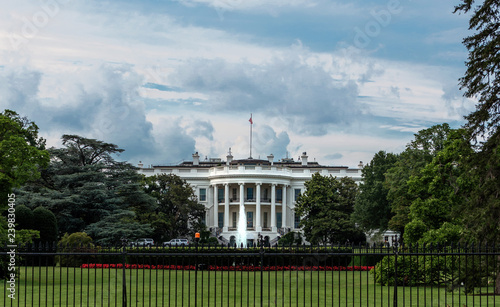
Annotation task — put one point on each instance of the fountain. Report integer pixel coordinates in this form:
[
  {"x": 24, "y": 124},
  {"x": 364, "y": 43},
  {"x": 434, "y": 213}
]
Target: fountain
[{"x": 242, "y": 228}]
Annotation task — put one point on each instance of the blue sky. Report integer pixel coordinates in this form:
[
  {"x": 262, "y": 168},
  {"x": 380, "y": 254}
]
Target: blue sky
[{"x": 165, "y": 78}]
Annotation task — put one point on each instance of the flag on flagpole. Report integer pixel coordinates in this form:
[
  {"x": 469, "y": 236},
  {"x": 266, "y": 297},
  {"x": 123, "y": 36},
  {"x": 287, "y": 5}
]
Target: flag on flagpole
[{"x": 250, "y": 120}]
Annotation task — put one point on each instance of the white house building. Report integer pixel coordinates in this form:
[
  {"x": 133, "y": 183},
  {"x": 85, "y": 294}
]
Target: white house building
[{"x": 267, "y": 190}]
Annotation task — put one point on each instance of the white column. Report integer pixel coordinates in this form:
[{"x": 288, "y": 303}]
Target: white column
[
  {"x": 273, "y": 207},
  {"x": 216, "y": 207},
  {"x": 226, "y": 207},
  {"x": 210, "y": 200},
  {"x": 242, "y": 199},
  {"x": 258, "y": 226},
  {"x": 284, "y": 206}
]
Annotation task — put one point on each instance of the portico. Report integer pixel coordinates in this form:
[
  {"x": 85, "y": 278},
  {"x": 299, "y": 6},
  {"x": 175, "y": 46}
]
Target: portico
[{"x": 267, "y": 191}]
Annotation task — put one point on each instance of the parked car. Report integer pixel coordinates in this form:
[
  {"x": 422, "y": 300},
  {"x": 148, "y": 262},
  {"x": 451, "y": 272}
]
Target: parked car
[
  {"x": 176, "y": 242},
  {"x": 145, "y": 242}
]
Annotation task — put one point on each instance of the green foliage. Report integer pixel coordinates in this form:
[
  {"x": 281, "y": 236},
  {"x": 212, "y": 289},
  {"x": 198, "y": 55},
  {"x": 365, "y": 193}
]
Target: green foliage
[
  {"x": 447, "y": 234},
  {"x": 22, "y": 152},
  {"x": 78, "y": 242},
  {"x": 482, "y": 83},
  {"x": 120, "y": 224},
  {"x": 24, "y": 217},
  {"x": 481, "y": 213},
  {"x": 414, "y": 271},
  {"x": 206, "y": 239},
  {"x": 455, "y": 271},
  {"x": 88, "y": 190},
  {"x": 46, "y": 223},
  {"x": 325, "y": 209},
  {"x": 372, "y": 209},
  {"x": 178, "y": 214},
  {"x": 441, "y": 189},
  {"x": 290, "y": 239},
  {"x": 417, "y": 155},
  {"x": 482, "y": 77},
  {"x": 414, "y": 231}
]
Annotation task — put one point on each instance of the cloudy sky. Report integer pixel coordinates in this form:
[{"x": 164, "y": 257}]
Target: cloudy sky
[{"x": 162, "y": 79}]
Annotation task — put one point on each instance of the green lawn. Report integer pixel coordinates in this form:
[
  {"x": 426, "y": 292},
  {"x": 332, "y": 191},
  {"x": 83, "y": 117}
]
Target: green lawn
[{"x": 55, "y": 286}]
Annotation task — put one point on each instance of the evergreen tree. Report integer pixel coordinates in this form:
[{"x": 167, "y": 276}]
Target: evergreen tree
[{"x": 85, "y": 185}]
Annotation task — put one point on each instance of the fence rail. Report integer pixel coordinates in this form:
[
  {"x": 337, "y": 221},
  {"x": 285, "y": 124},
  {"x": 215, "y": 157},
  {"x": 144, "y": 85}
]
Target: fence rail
[{"x": 48, "y": 275}]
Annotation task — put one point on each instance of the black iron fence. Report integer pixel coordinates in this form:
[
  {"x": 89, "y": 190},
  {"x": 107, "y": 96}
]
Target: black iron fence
[{"x": 47, "y": 275}]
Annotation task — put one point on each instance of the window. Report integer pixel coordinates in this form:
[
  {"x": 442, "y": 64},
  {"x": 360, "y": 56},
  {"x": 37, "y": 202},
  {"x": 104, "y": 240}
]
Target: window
[
  {"x": 249, "y": 219},
  {"x": 266, "y": 196},
  {"x": 296, "y": 221},
  {"x": 265, "y": 220},
  {"x": 235, "y": 219},
  {"x": 297, "y": 193},
  {"x": 235, "y": 194},
  {"x": 220, "y": 195},
  {"x": 221, "y": 219},
  {"x": 279, "y": 195},
  {"x": 203, "y": 194},
  {"x": 278, "y": 219},
  {"x": 250, "y": 194}
]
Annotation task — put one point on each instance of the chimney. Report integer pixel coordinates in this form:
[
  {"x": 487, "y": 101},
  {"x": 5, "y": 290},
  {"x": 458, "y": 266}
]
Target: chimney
[
  {"x": 304, "y": 158},
  {"x": 196, "y": 159},
  {"x": 270, "y": 158},
  {"x": 140, "y": 164},
  {"x": 229, "y": 157},
  {"x": 360, "y": 165}
]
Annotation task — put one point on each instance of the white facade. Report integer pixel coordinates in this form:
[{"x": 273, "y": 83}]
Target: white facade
[{"x": 267, "y": 190}]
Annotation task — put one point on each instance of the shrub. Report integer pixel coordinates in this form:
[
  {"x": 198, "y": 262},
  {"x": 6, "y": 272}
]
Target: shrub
[
  {"x": 46, "y": 223},
  {"x": 291, "y": 238},
  {"x": 454, "y": 271},
  {"x": 24, "y": 217},
  {"x": 78, "y": 242}
]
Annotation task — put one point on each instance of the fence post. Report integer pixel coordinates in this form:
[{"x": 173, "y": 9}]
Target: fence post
[
  {"x": 396, "y": 252},
  {"x": 124, "y": 262},
  {"x": 261, "y": 252}
]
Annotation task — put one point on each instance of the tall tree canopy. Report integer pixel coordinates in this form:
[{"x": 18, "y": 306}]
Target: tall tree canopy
[
  {"x": 178, "y": 213},
  {"x": 482, "y": 81},
  {"x": 22, "y": 152},
  {"x": 325, "y": 209},
  {"x": 85, "y": 185},
  {"x": 417, "y": 155},
  {"x": 482, "y": 77},
  {"x": 442, "y": 190},
  {"x": 372, "y": 209}
]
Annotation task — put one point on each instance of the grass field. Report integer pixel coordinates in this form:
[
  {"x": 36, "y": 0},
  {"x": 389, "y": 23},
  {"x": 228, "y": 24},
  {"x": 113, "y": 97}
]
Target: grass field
[{"x": 55, "y": 286}]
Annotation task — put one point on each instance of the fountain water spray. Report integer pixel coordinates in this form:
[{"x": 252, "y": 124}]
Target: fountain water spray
[{"x": 242, "y": 228}]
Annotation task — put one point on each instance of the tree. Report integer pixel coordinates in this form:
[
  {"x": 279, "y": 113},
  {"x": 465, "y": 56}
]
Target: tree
[
  {"x": 372, "y": 209},
  {"x": 417, "y": 155},
  {"x": 22, "y": 152},
  {"x": 325, "y": 209},
  {"x": 85, "y": 185},
  {"x": 441, "y": 188},
  {"x": 178, "y": 213},
  {"x": 482, "y": 81},
  {"x": 482, "y": 77}
]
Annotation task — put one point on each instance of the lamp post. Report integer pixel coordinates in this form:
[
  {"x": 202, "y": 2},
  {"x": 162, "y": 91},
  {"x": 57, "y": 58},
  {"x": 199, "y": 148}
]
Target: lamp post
[{"x": 196, "y": 240}]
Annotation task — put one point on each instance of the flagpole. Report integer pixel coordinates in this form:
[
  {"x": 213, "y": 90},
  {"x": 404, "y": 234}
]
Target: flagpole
[{"x": 251, "y": 124}]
